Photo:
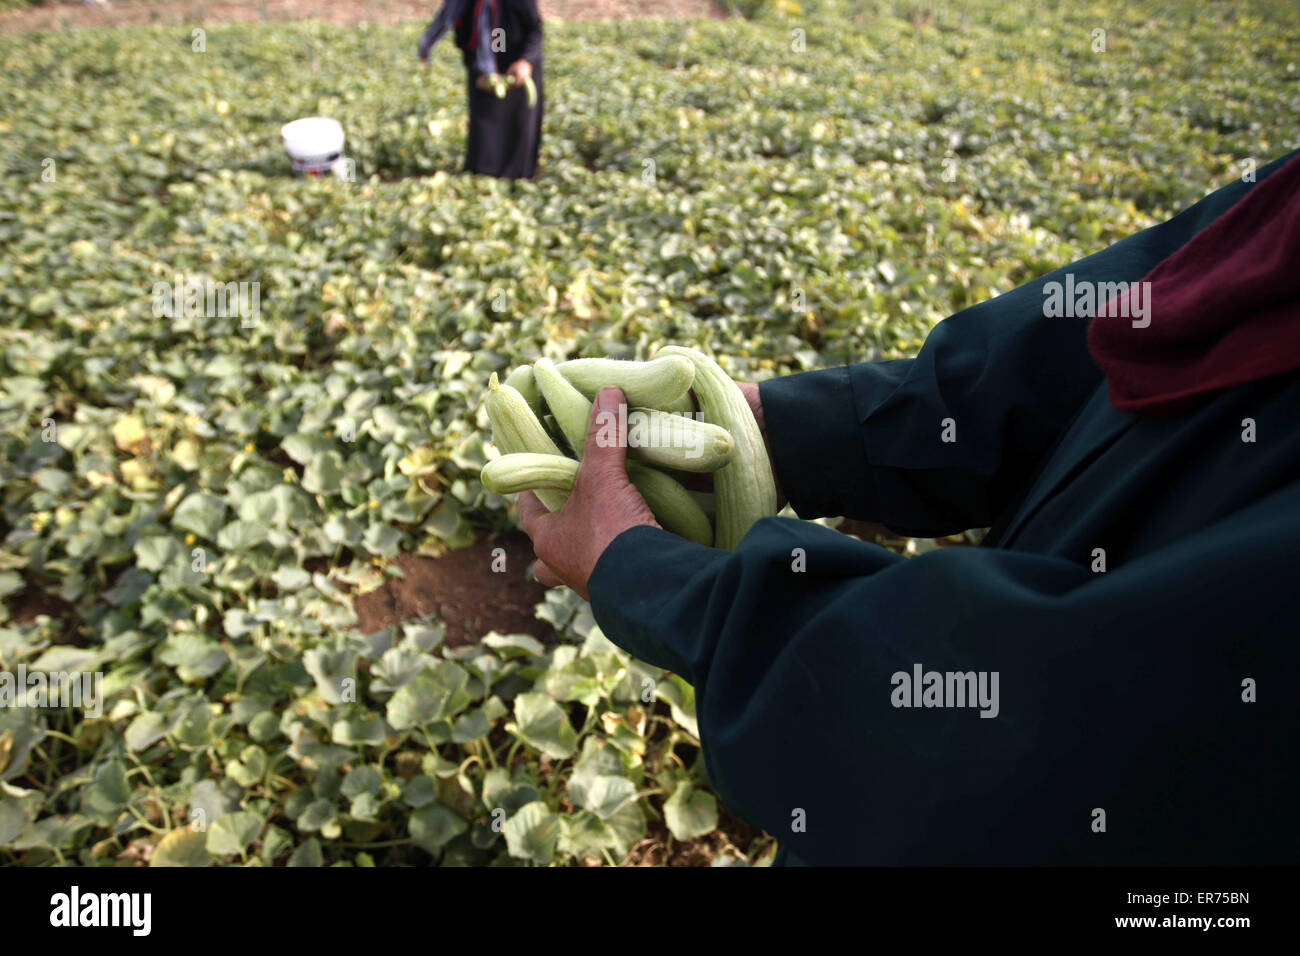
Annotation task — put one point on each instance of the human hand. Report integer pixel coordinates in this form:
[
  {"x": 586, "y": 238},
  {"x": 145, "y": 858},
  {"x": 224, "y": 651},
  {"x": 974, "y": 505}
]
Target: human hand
[
  {"x": 519, "y": 71},
  {"x": 602, "y": 505}
]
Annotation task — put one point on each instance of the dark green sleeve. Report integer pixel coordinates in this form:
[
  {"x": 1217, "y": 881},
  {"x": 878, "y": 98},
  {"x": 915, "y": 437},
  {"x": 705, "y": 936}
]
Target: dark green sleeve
[
  {"x": 867, "y": 441},
  {"x": 1120, "y": 691}
]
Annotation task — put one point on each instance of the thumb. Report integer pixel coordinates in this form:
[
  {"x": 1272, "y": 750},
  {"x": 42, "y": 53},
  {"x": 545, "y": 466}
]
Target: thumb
[{"x": 606, "y": 446}]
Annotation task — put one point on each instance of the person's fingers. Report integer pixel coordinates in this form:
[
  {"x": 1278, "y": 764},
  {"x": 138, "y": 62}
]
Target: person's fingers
[
  {"x": 605, "y": 452},
  {"x": 750, "y": 391},
  {"x": 545, "y": 575},
  {"x": 531, "y": 514}
]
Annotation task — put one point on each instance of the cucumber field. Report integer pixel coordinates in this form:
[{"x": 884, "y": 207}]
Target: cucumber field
[{"x": 218, "y": 510}]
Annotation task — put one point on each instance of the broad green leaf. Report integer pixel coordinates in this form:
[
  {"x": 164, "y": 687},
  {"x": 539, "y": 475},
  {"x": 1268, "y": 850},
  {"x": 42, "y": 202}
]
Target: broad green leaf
[
  {"x": 303, "y": 448},
  {"x": 234, "y": 833},
  {"x": 532, "y": 833},
  {"x": 147, "y": 729},
  {"x": 110, "y": 790},
  {"x": 335, "y": 672},
  {"x": 12, "y": 820},
  {"x": 433, "y": 826},
  {"x": 540, "y": 722},
  {"x": 307, "y": 854},
  {"x": 201, "y": 513},
  {"x": 436, "y": 692},
  {"x": 324, "y": 474},
  {"x": 182, "y": 847},
  {"x": 690, "y": 813}
]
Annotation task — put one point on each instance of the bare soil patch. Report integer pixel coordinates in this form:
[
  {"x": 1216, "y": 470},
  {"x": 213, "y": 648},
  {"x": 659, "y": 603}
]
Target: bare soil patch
[{"x": 461, "y": 588}]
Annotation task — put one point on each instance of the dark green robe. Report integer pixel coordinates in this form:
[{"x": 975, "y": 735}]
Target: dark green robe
[{"x": 1120, "y": 690}]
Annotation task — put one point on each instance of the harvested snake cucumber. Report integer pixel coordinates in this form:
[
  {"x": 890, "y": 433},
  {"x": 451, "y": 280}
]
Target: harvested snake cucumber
[
  {"x": 668, "y": 441},
  {"x": 572, "y": 409},
  {"x": 525, "y": 471},
  {"x": 678, "y": 442},
  {"x": 522, "y": 381},
  {"x": 656, "y": 384},
  {"x": 683, "y": 406},
  {"x": 530, "y": 89},
  {"x": 516, "y": 429},
  {"x": 705, "y": 500},
  {"x": 744, "y": 489},
  {"x": 672, "y": 504}
]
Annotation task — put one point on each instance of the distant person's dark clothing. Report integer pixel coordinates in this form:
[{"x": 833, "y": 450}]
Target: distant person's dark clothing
[{"x": 505, "y": 134}]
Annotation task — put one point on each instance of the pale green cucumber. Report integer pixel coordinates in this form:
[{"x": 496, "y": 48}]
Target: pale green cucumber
[
  {"x": 523, "y": 381},
  {"x": 678, "y": 442},
  {"x": 572, "y": 409},
  {"x": 656, "y": 384},
  {"x": 744, "y": 488},
  {"x": 708, "y": 504},
  {"x": 525, "y": 471},
  {"x": 683, "y": 406},
  {"x": 516, "y": 429},
  {"x": 671, "y": 504},
  {"x": 661, "y": 439}
]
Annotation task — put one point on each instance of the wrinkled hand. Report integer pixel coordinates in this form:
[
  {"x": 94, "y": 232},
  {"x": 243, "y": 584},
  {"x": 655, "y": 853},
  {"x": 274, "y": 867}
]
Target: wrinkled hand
[
  {"x": 520, "y": 70},
  {"x": 602, "y": 505}
]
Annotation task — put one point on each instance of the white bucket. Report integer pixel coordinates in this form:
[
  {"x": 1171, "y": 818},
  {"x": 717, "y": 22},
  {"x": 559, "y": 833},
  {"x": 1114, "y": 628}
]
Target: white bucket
[{"x": 315, "y": 145}]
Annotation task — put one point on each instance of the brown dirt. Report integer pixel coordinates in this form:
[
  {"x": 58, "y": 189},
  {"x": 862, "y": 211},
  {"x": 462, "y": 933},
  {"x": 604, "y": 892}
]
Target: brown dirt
[
  {"x": 61, "y": 14},
  {"x": 31, "y": 602},
  {"x": 732, "y": 833},
  {"x": 461, "y": 588}
]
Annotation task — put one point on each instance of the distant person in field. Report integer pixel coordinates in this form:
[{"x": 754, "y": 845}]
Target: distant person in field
[
  {"x": 497, "y": 38},
  {"x": 1110, "y": 677}
]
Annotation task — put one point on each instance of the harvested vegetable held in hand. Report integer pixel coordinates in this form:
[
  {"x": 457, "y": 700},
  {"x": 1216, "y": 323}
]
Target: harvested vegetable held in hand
[
  {"x": 670, "y": 441},
  {"x": 495, "y": 83},
  {"x": 655, "y": 384},
  {"x": 744, "y": 489},
  {"x": 661, "y": 441},
  {"x": 516, "y": 429},
  {"x": 571, "y": 408},
  {"x": 672, "y": 505},
  {"x": 522, "y": 381},
  {"x": 526, "y": 471},
  {"x": 530, "y": 88}
]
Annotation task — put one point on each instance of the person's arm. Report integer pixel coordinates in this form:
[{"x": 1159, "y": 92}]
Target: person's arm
[
  {"x": 867, "y": 441},
  {"x": 530, "y": 46},
  {"x": 1119, "y": 691},
  {"x": 438, "y": 26}
]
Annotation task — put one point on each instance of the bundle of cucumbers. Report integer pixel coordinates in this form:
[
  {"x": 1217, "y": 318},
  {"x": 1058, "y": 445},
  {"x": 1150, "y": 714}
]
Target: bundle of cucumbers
[
  {"x": 539, "y": 418},
  {"x": 500, "y": 83}
]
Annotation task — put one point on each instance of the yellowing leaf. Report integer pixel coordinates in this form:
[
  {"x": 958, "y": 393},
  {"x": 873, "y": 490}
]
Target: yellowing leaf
[
  {"x": 183, "y": 847},
  {"x": 130, "y": 435}
]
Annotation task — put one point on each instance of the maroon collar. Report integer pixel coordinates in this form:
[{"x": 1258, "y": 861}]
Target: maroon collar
[{"x": 1222, "y": 310}]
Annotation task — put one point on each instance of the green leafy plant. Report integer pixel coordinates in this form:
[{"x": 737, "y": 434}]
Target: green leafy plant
[{"x": 191, "y": 503}]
